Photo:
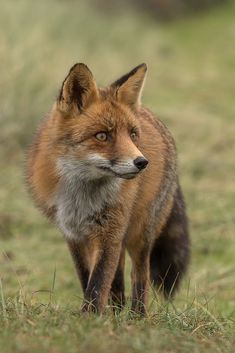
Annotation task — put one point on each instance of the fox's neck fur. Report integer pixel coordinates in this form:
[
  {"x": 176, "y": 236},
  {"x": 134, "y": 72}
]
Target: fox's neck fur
[{"x": 81, "y": 202}]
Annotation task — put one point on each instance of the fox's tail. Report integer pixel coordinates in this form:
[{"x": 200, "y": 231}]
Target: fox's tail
[{"x": 171, "y": 252}]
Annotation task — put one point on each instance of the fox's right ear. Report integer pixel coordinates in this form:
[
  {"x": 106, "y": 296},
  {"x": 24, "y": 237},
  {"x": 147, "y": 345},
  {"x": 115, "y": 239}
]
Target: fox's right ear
[
  {"x": 78, "y": 90},
  {"x": 129, "y": 87}
]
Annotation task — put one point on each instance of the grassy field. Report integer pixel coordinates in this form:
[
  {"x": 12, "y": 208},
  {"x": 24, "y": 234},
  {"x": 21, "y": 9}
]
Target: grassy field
[{"x": 190, "y": 85}]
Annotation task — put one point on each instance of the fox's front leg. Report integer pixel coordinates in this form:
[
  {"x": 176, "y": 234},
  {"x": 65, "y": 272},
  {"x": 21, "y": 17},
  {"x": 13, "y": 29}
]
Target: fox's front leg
[
  {"x": 118, "y": 286},
  {"x": 81, "y": 261},
  {"x": 140, "y": 278},
  {"x": 99, "y": 285}
]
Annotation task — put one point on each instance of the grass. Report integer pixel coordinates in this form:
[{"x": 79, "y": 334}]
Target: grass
[{"x": 191, "y": 86}]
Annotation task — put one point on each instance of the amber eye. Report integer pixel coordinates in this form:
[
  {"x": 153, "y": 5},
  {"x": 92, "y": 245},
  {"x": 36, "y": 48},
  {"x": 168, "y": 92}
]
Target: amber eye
[
  {"x": 101, "y": 136},
  {"x": 134, "y": 135}
]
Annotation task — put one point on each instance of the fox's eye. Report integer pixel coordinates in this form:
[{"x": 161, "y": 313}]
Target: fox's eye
[
  {"x": 101, "y": 136},
  {"x": 134, "y": 135}
]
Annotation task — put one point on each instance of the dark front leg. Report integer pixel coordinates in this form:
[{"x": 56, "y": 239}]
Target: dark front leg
[
  {"x": 118, "y": 285},
  {"x": 80, "y": 259},
  {"x": 140, "y": 281},
  {"x": 98, "y": 289}
]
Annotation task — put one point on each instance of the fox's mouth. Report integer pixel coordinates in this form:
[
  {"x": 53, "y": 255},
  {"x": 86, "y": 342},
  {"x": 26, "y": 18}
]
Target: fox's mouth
[
  {"x": 130, "y": 175},
  {"x": 127, "y": 175}
]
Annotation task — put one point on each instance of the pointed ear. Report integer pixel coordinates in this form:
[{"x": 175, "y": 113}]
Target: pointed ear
[
  {"x": 78, "y": 90},
  {"x": 128, "y": 88}
]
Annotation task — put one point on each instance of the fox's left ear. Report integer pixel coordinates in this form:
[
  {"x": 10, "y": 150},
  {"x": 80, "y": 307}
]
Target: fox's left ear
[
  {"x": 129, "y": 87},
  {"x": 78, "y": 90}
]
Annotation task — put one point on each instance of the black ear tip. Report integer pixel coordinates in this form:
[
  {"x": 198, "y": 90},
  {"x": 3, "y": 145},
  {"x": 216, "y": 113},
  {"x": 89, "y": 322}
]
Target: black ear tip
[
  {"x": 79, "y": 66},
  {"x": 82, "y": 65},
  {"x": 144, "y": 66}
]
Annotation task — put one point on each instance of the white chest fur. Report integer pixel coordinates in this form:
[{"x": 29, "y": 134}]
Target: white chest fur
[{"x": 79, "y": 204}]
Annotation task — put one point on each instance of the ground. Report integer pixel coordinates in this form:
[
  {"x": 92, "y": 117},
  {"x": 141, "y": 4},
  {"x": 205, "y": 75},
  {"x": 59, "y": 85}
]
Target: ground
[{"x": 190, "y": 85}]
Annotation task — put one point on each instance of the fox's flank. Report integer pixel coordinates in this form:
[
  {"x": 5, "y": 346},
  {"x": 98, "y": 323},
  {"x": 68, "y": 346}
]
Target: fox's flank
[{"x": 103, "y": 169}]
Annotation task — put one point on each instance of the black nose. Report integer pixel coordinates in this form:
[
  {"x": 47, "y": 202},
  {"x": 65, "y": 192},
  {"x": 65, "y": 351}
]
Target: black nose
[{"x": 140, "y": 162}]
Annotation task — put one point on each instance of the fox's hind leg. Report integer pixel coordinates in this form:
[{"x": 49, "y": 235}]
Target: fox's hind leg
[
  {"x": 118, "y": 285},
  {"x": 171, "y": 252}
]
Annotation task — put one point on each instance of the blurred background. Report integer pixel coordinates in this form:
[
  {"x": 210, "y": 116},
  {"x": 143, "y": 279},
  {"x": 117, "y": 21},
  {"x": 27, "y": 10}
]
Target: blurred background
[{"x": 189, "y": 49}]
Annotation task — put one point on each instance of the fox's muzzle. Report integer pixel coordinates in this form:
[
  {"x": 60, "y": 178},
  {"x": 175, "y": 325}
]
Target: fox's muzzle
[
  {"x": 123, "y": 168},
  {"x": 128, "y": 169}
]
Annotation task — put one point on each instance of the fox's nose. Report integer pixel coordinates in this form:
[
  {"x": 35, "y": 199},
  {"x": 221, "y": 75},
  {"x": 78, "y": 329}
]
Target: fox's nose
[{"x": 140, "y": 162}]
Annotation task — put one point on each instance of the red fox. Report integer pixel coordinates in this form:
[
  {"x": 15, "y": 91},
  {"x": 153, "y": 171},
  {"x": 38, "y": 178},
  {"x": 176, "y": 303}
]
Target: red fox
[{"x": 103, "y": 169}]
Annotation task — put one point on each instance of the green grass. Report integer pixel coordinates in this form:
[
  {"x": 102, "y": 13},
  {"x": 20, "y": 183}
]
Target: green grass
[{"x": 191, "y": 86}]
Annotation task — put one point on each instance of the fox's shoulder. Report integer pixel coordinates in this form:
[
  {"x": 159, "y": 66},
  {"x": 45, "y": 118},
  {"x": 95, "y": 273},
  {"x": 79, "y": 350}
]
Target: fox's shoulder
[{"x": 154, "y": 126}]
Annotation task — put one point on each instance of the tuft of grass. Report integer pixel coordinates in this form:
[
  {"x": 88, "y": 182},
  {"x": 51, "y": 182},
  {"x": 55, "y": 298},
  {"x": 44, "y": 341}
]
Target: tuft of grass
[
  {"x": 190, "y": 85},
  {"x": 51, "y": 326}
]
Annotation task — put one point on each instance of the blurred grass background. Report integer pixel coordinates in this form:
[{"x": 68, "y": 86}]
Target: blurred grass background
[{"x": 190, "y": 85}]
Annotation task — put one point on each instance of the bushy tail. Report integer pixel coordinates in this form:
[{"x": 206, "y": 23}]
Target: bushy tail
[{"x": 171, "y": 252}]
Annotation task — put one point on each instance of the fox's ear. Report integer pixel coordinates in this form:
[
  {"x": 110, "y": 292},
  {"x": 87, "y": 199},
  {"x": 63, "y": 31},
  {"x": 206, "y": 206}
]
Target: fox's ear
[
  {"x": 78, "y": 90},
  {"x": 128, "y": 88}
]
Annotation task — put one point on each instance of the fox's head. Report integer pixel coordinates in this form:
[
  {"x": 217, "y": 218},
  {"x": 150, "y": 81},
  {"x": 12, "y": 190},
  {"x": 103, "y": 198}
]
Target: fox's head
[{"x": 98, "y": 130}]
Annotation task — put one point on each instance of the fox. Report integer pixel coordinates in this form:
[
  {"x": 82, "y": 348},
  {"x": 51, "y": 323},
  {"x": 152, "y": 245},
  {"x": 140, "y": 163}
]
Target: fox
[{"x": 103, "y": 169}]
